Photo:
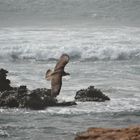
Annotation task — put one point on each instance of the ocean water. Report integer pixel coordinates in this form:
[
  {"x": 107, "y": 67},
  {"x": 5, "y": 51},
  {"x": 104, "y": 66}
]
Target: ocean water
[
  {"x": 69, "y": 12},
  {"x": 102, "y": 39},
  {"x": 107, "y": 58}
]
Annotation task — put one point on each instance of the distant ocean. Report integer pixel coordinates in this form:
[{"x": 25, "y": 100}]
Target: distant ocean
[{"x": 102, "y": 39}]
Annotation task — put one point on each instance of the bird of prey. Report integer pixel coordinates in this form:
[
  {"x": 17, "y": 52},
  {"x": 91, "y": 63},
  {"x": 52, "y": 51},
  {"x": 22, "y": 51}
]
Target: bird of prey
[{"x": 56, "y": 75}]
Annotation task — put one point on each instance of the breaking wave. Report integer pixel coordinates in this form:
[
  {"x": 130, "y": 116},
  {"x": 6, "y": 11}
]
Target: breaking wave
[
  {"x": 82, "y": 54},
  {"x": 80, "y": 44}
]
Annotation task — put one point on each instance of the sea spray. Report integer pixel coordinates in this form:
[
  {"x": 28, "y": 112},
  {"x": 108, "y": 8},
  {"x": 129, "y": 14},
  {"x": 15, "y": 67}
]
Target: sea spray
[{"x": 80, "y": 44}]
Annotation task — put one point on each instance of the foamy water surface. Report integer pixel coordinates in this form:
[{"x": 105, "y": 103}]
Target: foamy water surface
[{"x": 107, "y": 58}]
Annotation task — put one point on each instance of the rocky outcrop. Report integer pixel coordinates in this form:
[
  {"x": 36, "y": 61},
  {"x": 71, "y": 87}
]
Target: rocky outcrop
[
  {"x": 40, "y": 98},
  {"x": 130, "y": 133},
  {"x": 22, "y": 97},
  {"x": 90, "y": 94},
  {"x": 4, "y": 83}
]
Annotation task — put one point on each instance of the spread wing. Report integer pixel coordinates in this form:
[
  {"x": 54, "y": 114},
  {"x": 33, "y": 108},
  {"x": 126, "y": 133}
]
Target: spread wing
[
  {"x": 56, "y": 75},
  {"x": 64, "y": 59},
  {"x": 56, "y": 83},
  {"x": 48, "y": 75}
]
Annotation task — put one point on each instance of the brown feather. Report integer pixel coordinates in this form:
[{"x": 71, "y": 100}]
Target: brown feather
[
  {"x": 56, "y": 83},
  {"x": 56, "y": 76},
  {"x": 48, "y": 75},
  {"x": 64, "y": 59}
]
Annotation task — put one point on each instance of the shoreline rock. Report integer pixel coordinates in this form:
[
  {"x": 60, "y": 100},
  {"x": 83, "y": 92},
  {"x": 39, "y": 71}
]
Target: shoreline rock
[
  {"x": 130, "y": 133},
  {"x": 21, "y": 97},
  {"x": 4, "y": 83},
  {"x": 91, "y": 94},
  {"x": 40, "y": 98}
]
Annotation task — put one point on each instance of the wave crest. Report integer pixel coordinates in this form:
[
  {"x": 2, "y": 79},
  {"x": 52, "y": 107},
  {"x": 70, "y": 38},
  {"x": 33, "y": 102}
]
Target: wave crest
[
  {"x": 80, "y": 44},
  {"x": 90, "y": 53}
]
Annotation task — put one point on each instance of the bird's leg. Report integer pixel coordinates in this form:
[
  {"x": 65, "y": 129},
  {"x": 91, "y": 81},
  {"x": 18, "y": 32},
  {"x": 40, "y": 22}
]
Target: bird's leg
[{"x": 65, "y": 73}]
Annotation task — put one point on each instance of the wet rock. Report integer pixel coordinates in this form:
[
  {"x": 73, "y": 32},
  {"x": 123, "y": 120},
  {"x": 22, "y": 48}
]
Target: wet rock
[
  {"x": 11, "y": 98},
  {"x": 90, "y": 94},
  {"x": 39, "y": 99},
  {"x": 66, "y": 103},
  {"x": 130, "y": 133},
  {"x": 4, "y": 83},
  {"x": 11, "y": 101},
  {"x": 21, "y": 97}
]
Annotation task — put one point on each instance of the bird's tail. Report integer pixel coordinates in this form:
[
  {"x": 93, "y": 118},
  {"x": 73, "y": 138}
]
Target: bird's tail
[{"x": 48, "y": 75}]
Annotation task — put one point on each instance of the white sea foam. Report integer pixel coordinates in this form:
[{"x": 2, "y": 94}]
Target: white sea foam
[
  {"x": 4, "y": 133},
  {"x": 115, "y": 105},
  {"x": 83, "y": 44}
]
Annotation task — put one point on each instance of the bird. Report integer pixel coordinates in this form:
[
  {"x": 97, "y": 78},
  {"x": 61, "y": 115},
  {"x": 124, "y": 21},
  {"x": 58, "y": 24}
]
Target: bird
[{"x": 56, "y": 76}]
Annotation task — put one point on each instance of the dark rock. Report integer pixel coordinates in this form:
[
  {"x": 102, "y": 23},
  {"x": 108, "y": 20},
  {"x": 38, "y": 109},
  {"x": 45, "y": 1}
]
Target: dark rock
[
  {"x": 12, "y": 101},
  {"x": 90, "y": 94},
  {"x": 8, "y": 99},
  {"x": 39, "y": 99},
  {"x": 4, "y": 83},
  {"x": 66, "y": 103},
  {"x": 21, "y": 97}
]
